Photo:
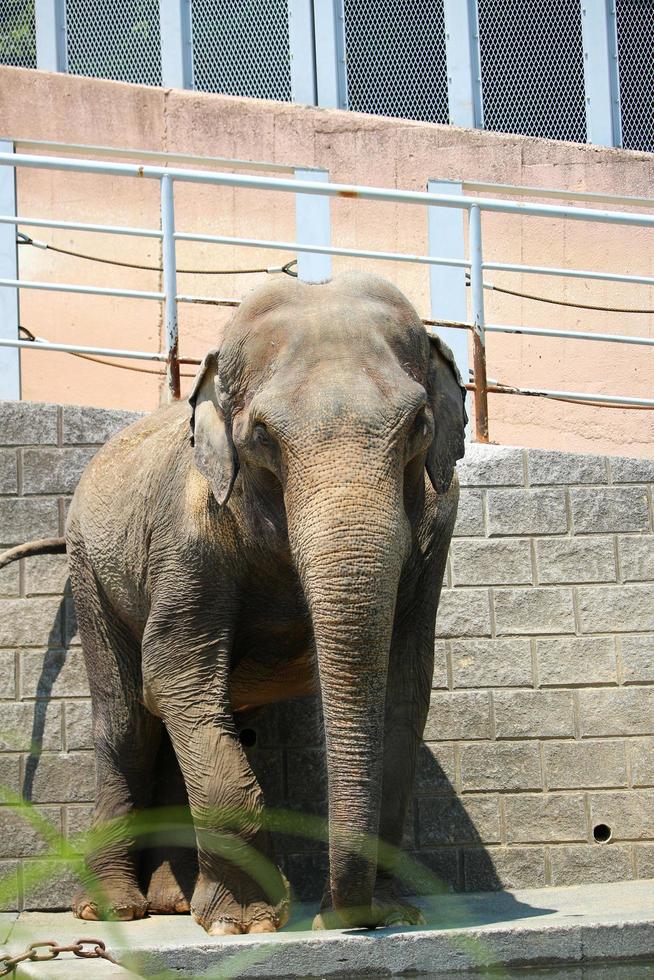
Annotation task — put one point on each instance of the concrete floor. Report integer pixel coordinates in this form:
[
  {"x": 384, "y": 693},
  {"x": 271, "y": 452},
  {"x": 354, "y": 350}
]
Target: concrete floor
[{"x": 574, "y": 926}]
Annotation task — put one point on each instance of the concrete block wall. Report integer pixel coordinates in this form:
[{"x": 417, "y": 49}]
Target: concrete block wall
[{"x": 540, "y": 733}]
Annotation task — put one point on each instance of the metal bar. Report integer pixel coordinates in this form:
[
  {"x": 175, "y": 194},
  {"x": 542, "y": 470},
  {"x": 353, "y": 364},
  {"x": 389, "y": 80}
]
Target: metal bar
[
  {"x": 544, "y": 270},
  {"x": 447, "y": 284},
  {"x": 515, "y": 190},
  {"x": 303, "y": 52},
  {"x": 207, "y": 300},
  {"x": 580, "y": 396},
  {"x": 478, "y": 335},
  {"x": 284, "y": 185},
  {"x": 9, "y": 300},
  {"x": 176, "y": 50},
  {"x": 137, "y": 355},
  {"x": 170, "y": 286},
  {"x": 59, "y": 287},
  {"x": 463, "y": 63},
  {"x": 329, "y": 33},
  {"x": 313, "y": 224},
  {"x": 51, "y": 46},
  {"x": 608, "y": 338},
  {"x": 7, "y": 219},
  {"x": 600, "y": 74}
]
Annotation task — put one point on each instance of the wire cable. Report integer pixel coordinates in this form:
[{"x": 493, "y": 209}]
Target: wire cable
[{"x": 559, "y": 302}]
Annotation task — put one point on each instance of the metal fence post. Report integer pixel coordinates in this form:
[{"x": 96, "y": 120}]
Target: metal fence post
[
  {"x": 601, "y": 86},
  {"x": 170, "y": 286},
  {"x": 313, "y": 227},
  {"x": 463, "y": 63},
  {"x": 9, "y": 357},
  {"x": 447, "y": 284},
  {"x": 303, "y": 52},
  {"x": 51, "y": 47},
  {"x": 329, "y": 32},
  {"x": 176, "y": 43},
  {"x": 479, "y": 331}
]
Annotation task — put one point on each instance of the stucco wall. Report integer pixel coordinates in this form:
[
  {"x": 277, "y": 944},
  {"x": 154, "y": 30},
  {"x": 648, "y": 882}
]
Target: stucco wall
[
  {"x": 542, "y": 710},
  {"x": 354, "y": 148}
]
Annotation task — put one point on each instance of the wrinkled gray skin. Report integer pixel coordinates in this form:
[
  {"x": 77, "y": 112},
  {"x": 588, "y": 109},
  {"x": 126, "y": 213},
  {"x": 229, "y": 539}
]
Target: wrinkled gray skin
[{"x": 300, "y": 543}]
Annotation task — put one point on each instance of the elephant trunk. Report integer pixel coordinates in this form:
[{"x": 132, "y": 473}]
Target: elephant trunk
[{"x": 349, "y": 545}]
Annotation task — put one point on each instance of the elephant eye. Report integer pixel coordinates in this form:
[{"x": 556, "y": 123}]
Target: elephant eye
[{"x": 260, "y": 434}]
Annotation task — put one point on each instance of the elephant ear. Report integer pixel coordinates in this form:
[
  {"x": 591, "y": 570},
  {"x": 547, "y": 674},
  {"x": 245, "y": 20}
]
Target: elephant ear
[
  {"x": 211, "y": 436},
  {"x": 446, "y": 394}
]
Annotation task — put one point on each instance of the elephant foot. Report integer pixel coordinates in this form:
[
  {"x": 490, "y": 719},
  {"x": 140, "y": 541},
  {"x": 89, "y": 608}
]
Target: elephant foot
[
  {"x": 120, "y": 900},
  {"x": 215, "y": 908},
  {"x": 385, "y": 912},
  {"x": 169, "y": 892}
]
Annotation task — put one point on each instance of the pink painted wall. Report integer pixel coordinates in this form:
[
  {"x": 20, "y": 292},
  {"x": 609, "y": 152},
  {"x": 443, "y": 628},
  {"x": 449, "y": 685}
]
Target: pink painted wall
[{"x": 354, "y": 148}]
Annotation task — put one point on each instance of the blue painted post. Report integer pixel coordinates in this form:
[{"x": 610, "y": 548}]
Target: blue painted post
[
  {"x": 331, "y": 76},
  {"x": 313, "y": 227},
  {"x": 463, "y": 63},
  {"x": 303, "y": 52},
  {"x": 600, "y": 41},
  {"x": 176, "y": 43},
  {"x": 9, "y": 357},
  {"x": 51, "y": 47}
]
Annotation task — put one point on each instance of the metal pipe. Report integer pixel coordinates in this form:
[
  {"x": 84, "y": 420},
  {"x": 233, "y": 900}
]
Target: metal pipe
[
  {"x": 137, "y": 355},
  {"x": 478, "y": 335},
  {"x": 513, "y": 190},
  {"x": 612, "y": 338},
  {"x": 349, "y": 191},
  {"x": 170, "y": 286},
  {"x": 60, "y": 287},
  {"x": 7, "y": 219},
  {"x": 544, "y": 270},
  {"x": 580, "y": 396}
]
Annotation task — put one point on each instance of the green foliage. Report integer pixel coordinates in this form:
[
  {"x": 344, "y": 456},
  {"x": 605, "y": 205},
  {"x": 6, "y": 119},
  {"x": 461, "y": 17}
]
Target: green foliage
[{"x": 17, "y": 33}]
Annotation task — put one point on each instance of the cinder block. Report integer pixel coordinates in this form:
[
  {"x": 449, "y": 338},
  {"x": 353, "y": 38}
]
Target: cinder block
[
  {"x": 500, "y": 766},
  {"x": 598, "y": 510},
  {"x": 7, "y": 674},
  {"x": 437, "y": 871},
  {"x": 573, "y": 765},
  {"x": 488, "y": 466},
  {"x": 27, "y": 424},
  {"x": 626, "y": 711},
  {"x": 581, "y": 864},
  {"x": 29, "y": 727},
  {"x": 545, "y": 818},
  {"x": 435, "y": 769},
  {"x": 439, "y": 676},
  {"x": 491, "y": 562},
  {"x": 64, "y": 778},
  {"x": 463, "y": 612},
  {"x": 637, "y": 656},
  {"x": 23, "y": 520},
  {"x": 623, "y": 609},
  {"x": 20, "y": 837},
  {"x": 533, "y": 714},
  {"x": 303, "y": 715},
  {"x": 10, "y": 878},
  {"x": 576, "y": 661},
  {"x": 644, "y": 854},
  {"x": 306, "y": 775},
  {"x": 53, "y": 673},
  {"x": 307, "y": 874},
  {"x": 30, "y": 622},
  {"x": 520, "y": 512},
  {"x": 624, "y": 470},
  {"x": 46, "y": 575},
  {"x": 54, "y": 470},
  {"x": 627, "y": 813},
  {"x": 84, "y": 424},
  {"x": 10, "y": 580},
  {"x": 10, "y": 771},
  {"x": 637, "y": 558},
  {"x": 547, "y": 467},
  {"x": 470, "y": 520},
  {"x": 50, "y": 884},
  {"x": 452, "y": 820},
  {"x": 458, "y": 715},
  {"x": 78, "y": 725},
  {"x": 641, "y": 752},
  {"x": 8, "y": 471},
  {"x": 78, "y": 819},
  {"x": 575, "y": 560},
  {"x": 494, "y": 868},
  {"x": 534, "y": 611},
  {"x": 491, "y": 663}
]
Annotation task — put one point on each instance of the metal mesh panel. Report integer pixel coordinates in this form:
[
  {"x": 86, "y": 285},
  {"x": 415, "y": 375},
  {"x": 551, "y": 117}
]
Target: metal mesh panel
[
  {"x": 532, "y": 67},
  {"x": 242, "y": 48},
  {"x": 635, "y": 22},
  {"x": 17, "y": 33},
  {"x": 114, "y": 39},
  {"x": 395, "y": 55}
]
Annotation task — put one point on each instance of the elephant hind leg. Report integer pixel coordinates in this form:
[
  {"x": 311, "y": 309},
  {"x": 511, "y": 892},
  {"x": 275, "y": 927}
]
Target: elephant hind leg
[{"x": 169, "y": 867}]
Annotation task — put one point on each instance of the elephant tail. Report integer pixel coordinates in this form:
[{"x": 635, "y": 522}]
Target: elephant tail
[{"x": 45, "y": 546}]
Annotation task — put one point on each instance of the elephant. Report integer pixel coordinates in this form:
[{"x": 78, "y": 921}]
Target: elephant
[{"x": 283, "y": 532}]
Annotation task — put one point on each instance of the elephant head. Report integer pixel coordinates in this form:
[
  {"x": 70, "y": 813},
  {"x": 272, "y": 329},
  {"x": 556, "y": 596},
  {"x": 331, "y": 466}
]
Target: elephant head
[{"x": 325, "y": 405}]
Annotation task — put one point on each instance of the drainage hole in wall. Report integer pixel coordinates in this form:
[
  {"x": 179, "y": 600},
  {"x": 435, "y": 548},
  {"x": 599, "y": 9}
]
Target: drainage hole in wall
[
  {"x": 602, "y": 833},
  {"x": 248, "y": 737}
]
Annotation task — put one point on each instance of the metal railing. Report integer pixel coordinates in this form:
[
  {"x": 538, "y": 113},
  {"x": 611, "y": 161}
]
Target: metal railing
[{"x": 474, "y": 206}]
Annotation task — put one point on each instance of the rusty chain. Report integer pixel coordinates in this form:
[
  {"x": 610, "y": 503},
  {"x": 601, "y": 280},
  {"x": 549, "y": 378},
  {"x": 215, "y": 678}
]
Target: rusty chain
[{"x": 99, "y": 951}]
